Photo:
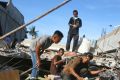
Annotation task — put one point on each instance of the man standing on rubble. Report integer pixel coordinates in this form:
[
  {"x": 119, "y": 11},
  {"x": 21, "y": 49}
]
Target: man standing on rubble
[
  {"x": 38, "y": 46},
  {"x": 74, "y": 24}
]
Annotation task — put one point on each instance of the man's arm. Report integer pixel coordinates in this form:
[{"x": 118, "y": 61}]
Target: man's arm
[
  {"x": 79, "y": 23},
  {"x": 70, "y": 22},
  {"x": 73, "y": 64},
  {"x": 96, "y": 72},
  {"x": 75, "y": 74},
  {"x": 58, "y": 62},
  {"x": 55, "y": 62},
  {"x": 38, "y": 46}
]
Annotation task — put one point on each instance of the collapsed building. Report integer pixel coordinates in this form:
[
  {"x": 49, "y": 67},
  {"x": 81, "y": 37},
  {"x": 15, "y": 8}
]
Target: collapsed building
[{"x": 110, "y": 42}]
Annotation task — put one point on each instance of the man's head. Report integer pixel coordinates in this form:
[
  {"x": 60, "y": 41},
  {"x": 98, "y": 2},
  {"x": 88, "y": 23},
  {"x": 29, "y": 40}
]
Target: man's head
[
  {"x": 61, "y": 51},
  {"x": 75, "y": 13},
  {"x": 57, "y": 36},
  {"x": 87, "y": 57}
]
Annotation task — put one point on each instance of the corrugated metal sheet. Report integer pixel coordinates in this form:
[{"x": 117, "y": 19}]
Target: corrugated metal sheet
[{"x": 11, "y": 18}]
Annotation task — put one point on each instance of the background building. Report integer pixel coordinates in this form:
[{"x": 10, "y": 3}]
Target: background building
[
  {"x": 11, "y": 18},
  {"x": 109, "y": 41}
]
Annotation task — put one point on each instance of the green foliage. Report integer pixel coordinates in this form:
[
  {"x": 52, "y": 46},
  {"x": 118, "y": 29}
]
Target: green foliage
[{"x": 32, "y": 31}]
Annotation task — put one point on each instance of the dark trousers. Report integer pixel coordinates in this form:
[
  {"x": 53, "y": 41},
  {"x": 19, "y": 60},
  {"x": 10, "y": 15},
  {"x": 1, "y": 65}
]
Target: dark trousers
[{"x": 75, "y": 41}]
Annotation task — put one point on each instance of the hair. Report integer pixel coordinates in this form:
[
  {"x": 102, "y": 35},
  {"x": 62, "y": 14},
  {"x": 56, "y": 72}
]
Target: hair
[
  {"x": 61, "y": 49},
  {"x": 75, "y": 11},
  {"x": 59, "y": 33},
  {"x": 89, "y": 54}
]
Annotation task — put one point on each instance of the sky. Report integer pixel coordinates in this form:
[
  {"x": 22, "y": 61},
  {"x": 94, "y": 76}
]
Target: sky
[{"x": 95, "y": 15}]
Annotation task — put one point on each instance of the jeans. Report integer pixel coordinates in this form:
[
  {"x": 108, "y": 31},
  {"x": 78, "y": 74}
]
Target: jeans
[{"x": 35, "y": 70}]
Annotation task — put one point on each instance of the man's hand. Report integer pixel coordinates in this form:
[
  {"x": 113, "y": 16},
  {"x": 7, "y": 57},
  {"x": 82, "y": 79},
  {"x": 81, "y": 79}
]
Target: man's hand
[
  {"x": 104, "y": 69},
  {"x": 38, "y": 64},
  {"x": 81, "y": 78},
  {"x": 74, "y": 26},
  {"x": 86, "y": 78}
]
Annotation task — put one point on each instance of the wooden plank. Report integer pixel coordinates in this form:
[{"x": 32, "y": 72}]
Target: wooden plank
[{"x": 9, "y": 75}]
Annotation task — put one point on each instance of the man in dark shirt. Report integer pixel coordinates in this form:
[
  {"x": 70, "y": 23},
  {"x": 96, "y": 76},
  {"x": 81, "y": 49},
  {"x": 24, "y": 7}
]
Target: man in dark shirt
[
  {"x": 74, "y": 24},
  {"x": 78, "y": 67}
]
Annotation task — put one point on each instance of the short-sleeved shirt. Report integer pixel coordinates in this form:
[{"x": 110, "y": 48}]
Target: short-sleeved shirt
[{"x": 45, "y": 41}]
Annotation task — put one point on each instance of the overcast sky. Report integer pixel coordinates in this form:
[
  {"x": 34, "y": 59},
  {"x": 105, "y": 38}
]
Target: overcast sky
[{"x": 95, "y": 15}]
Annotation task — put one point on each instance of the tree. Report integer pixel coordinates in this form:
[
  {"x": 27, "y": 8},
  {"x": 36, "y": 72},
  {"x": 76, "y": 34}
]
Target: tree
[{"x": 32, "y": 32}]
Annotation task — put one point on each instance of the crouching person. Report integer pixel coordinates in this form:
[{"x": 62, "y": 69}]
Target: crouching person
[
  {"x": 56, "y": 66},
  {"x": 57, "y": 63},
  {"x": 37, "y": 48},
  {"x": 72, "y": 71}
]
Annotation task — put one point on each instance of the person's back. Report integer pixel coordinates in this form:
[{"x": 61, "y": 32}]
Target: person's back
[
  {"x": 73, "y": 69},
  {"x": 75, "y": 63},
  {"x": 45, "y": 41}
]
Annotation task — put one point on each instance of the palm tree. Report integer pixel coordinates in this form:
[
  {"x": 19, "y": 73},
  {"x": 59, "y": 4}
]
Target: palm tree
[{"x": 32, "y": 32}]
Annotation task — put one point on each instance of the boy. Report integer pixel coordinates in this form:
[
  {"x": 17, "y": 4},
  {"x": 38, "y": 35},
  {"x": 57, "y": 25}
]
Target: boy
[{"x": 57, "y": 63}]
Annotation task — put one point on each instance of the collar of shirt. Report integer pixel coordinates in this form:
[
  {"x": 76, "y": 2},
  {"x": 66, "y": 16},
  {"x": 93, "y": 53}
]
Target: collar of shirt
[{"x": 75, "y": 18}]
